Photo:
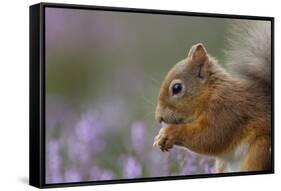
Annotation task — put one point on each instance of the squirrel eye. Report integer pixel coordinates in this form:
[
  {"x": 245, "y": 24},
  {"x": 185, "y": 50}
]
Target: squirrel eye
[{"x": 176, "y": 88}]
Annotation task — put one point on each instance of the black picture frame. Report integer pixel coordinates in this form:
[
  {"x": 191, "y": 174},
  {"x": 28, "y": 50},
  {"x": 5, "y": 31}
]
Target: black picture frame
[{"x": 37, "y": 93}]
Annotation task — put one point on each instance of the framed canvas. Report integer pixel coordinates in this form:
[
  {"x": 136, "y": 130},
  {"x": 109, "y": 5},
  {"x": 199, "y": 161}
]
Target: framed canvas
[{"x": 121, "y": 95}]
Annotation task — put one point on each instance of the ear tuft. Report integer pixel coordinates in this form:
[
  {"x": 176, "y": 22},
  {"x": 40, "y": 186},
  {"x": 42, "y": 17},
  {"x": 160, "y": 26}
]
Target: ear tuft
[{"x": 198, "y": 53}]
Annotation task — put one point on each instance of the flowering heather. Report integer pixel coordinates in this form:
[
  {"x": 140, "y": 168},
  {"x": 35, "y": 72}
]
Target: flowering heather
[
  {"x": 87, "y": 146},
  {"x": 131, "y": 168},
  {"x": 138, "y": 137}
]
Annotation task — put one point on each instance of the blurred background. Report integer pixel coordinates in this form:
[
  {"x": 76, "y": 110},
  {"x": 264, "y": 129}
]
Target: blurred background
[{"x": 103, "y": 73}]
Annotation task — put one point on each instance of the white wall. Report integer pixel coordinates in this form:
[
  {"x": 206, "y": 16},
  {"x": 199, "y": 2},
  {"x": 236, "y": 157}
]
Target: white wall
[{"x": 14, "y": 87}]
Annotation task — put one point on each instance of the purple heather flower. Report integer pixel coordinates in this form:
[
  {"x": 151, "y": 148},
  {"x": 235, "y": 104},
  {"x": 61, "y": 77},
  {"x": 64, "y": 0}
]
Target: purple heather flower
[
  {"x": 131, "y": 168},
  {"x": 158, "y": 163},
  {"x": 188, "y": 169},
  {"x": 86, "y": 126},
  {"x": 72, "y": 176},
  {"x": 209, "y": 169},
  {"x": 106, "y": 175},
  {"x": 53, "y": 162},
  {"x": 78, "y": 152},
  {"x": 101, "y": 174},
  {"x": 197, "y": 164},
  {"x": 138, "y": 137},
  {"x": 90, "y": 130},
  {"x": 75, "y": 145}
]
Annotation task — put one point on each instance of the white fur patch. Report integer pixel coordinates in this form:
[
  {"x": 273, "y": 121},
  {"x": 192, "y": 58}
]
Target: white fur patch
[
  {"x": 233, "y": 161},
  {"x": 163, "y": 124}
]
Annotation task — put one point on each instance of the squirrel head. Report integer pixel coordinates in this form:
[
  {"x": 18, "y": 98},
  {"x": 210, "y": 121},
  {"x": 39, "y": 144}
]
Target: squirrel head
[{"x": 181, "y": 93}]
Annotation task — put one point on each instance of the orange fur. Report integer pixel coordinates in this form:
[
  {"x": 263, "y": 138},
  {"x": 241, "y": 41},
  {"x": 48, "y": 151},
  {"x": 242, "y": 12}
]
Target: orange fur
[{"x": 216, "y": 114}]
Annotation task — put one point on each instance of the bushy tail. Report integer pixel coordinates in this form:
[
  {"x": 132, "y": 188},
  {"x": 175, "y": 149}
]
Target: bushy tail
[{"x": 249, "y": 51}]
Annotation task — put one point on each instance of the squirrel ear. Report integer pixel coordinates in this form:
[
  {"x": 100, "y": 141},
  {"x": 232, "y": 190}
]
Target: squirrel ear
[{"x": 198, "y": 53}]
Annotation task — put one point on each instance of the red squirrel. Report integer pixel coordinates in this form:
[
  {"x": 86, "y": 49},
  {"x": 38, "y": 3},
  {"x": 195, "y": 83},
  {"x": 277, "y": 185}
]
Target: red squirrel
[{"x": 212, "y": 112}]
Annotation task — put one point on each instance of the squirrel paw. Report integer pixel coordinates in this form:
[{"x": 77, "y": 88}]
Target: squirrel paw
[{"x": 165, "y": 139}]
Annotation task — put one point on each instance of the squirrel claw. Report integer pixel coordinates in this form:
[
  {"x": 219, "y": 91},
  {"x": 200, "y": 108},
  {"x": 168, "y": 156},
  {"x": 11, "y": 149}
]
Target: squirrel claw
[
  {"x": 164, "y": 141},
  {"x": 155, "y": 145}
]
